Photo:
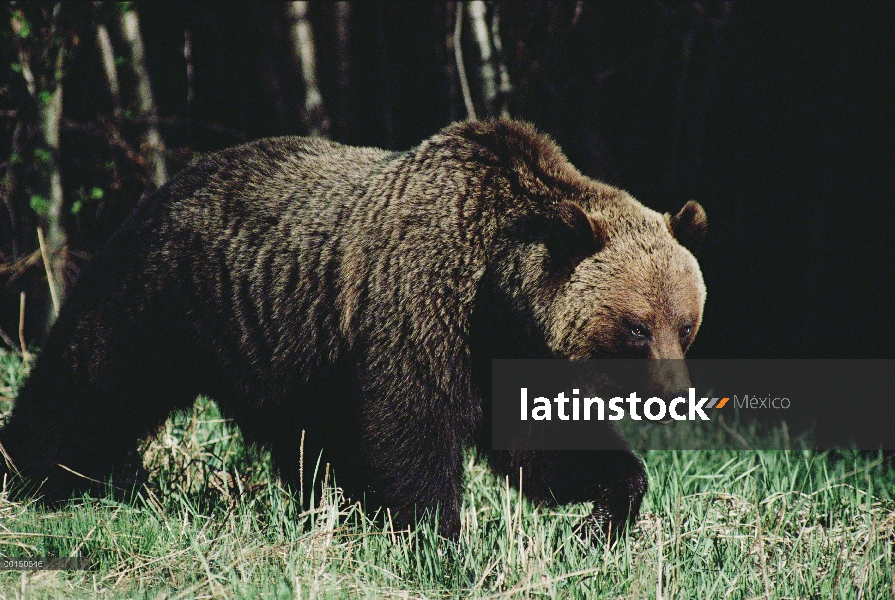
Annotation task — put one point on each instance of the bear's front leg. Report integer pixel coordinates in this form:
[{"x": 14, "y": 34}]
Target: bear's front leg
[{"x": 614, "y": 480}]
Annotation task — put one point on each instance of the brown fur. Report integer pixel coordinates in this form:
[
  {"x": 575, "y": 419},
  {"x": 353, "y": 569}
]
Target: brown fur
[{"x": 360, "y": 295}]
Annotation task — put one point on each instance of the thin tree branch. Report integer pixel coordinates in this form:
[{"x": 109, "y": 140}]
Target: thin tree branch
[
  {"x": 9, "y": 341},
  {"x": 450, "y": 66},
  {"x": 107, "y": 57},
  {"x": 51, "y": 281},
  {"x": 8, "y": 189},
  {"x": 461, "y": 68},
  {"x": 24, "y": 347},
  {"x": 388, "y": 119},
  {"x": 115, "y": 139},
  {"x": 343, "y": 59},
  {"x": 579, "y": 7},
  {"x": 24, "y": 61},
  {"x": 188, "y": 59},
  {"x": 190, "y": 83}
]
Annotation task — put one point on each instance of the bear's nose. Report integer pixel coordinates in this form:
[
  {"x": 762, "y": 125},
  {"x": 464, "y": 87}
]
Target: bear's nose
[
  {"x": 669, "y": 396},
  {"x": 668, "y": 379}
]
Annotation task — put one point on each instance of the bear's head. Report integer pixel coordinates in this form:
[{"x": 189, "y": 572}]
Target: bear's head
[
  {"x": 582, "y": 270},
  {"x": 623, "y": 282}
]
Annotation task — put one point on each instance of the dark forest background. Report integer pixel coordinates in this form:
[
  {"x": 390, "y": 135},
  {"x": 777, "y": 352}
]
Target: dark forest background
[{"x": 778, "y": 118}]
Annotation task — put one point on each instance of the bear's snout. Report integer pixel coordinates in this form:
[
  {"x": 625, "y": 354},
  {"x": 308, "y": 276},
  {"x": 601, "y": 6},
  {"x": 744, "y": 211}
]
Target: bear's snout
[{"x": 668, "y": 379}]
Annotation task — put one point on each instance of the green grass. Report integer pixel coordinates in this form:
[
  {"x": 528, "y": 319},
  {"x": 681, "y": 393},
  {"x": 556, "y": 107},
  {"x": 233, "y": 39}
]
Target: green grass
[{"x": 714, "y": 524}]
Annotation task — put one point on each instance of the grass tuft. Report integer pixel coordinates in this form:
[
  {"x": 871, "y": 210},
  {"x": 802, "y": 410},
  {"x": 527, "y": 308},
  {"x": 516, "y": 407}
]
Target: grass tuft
[{"x": 769, "y": 524}]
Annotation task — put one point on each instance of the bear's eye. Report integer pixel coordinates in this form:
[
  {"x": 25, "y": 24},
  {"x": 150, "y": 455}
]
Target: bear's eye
[
  {"x": 686, "y": 330},
  {"x": 639, "y": 331}
]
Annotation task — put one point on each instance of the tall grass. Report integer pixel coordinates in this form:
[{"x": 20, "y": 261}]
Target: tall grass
[{"x": 714, "y": 524}]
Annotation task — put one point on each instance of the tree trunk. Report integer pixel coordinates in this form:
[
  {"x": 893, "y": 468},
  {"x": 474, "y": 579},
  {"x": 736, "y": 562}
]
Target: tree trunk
[
  {"x": 342, "y": 15},
  {"x": 304, "y": 55},
  {"x": 450, "y": 65},
  {"x": 107, "y": 56},
  {"x": 41, "y": 60},
  {"x": 388, "y": 116},
  {"x": 503, "y": 86},
  {"x": 152, "y": 146},
  {"x": 492, "y": 74}
]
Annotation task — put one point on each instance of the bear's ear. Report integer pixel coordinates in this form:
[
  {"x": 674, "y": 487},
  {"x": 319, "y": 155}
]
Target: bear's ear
[
  {"x": 688, "y": 226},
  {"x": 572, "y": 236}
]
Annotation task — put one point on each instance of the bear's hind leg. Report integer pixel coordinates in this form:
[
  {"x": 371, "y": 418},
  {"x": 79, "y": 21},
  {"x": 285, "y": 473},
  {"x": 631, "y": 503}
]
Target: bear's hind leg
[{"x": 71, "y": 429}]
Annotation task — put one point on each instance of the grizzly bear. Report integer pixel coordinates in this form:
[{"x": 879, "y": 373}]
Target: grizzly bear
[{"x": 359, "y": 295}]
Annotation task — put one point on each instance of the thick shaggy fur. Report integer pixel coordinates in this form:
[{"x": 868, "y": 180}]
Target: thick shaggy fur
[{"x": 358, "y": 295}]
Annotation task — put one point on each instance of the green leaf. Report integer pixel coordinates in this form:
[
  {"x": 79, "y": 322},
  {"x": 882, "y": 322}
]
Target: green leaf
[
  {"x": 43, "y": 155},
  {"x": 76, "y": 207},
  {"x": 39, "y": 204},
  {"x": 45, "y": 96},
  {"x": 15, "y": 158},
  {"x": 15, "y": 67},
  {"x": 25, "y": 27},
  {"x": 96, "y": 193}
]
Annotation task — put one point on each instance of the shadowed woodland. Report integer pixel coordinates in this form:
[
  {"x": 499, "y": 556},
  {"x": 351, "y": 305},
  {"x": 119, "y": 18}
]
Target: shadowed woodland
[{"x": 777, "y": 119}]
